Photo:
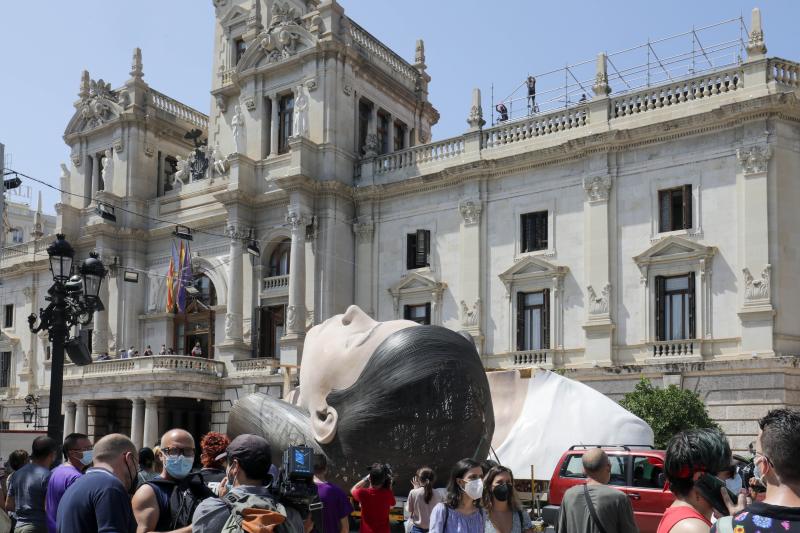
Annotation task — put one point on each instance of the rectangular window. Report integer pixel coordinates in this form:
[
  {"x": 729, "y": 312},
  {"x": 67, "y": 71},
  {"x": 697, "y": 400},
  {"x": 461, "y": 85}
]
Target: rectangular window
[
  {"x": 675, "y": 302},
  {"x": 418, "y": 246},
  {"x": 17, "y": 235},
  {"x": 8, "y": 316},
  {"x": 240, "y": 48},
  {"x": 5, "y": 425},
  {"x": 285, "y": 122},
  {"x": 399, "y": 136},
  {"x": 534, "y": 231},
  {"x": 383, "y": 132},
  {"x": 5, "y": 369},
  {"x": 271, "y": 329},
  {"x": 421, "y": 314},
  {"x": 675, "y": 209},
  {"x": 533, "y": 320},
  {"x": 364, "y": 111}
]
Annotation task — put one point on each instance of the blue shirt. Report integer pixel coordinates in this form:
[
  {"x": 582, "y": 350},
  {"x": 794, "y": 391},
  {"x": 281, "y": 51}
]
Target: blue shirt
[
  {"x": 96, "y": 503},
  {"x": 28, "y": 488}
]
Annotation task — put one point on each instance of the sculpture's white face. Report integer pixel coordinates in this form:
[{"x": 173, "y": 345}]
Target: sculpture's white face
[{"x": 334, "y": 354}]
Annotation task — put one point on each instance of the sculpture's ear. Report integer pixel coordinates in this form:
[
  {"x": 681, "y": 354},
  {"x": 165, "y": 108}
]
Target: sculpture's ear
[{"x": 323, "y": 423}]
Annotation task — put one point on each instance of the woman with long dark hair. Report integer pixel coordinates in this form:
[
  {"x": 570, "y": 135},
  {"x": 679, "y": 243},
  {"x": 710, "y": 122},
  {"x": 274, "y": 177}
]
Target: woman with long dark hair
[
  {"x": 423, "y": 498},
  {"x": 504, "y": 510},
  {"x": 461, "y": 511}
]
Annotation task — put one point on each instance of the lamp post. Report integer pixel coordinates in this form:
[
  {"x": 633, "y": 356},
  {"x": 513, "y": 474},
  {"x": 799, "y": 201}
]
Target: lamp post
[
  {"x": 73, "y": 300},
  {"x": 31, "y": 414}
]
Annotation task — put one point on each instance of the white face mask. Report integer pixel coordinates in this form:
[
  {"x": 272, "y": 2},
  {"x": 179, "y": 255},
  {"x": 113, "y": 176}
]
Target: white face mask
[{"x": 474, "y": 488}]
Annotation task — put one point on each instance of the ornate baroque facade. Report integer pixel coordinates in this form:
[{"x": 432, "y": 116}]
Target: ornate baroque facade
[{"x": 647, "y": 233}]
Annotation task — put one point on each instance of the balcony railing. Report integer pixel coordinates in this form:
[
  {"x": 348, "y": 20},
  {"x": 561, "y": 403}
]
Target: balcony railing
[
  {"x": 539, "y": 126},
  {"x": 173, "y": 107},
  {"x": 255, "y": 367},
  {"x": 384, "y": 56},
  {"x": 527, "y": 358},
  {"x": 676, "y": 348},
  {"x": 156, "y": 364},
  {"x": 276, "y": 283}
]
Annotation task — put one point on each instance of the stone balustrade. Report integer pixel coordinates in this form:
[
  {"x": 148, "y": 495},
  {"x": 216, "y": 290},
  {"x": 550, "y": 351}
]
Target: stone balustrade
[
  {"x": 255, "y": 367},
  {"x": 384, "y": 55},
  {"x": 171, "y": 106},
  {"x": 227, "y": 77},
  {"x": 701, "y": 87},
  {"x": 426, "y": 153},
  {"x": 676, "y": 348},
  {"x": 537, "y": 126},
  {"x": 785, "y": 72},
  {"x": 156, "y": 364},
  {"x": 521, "y": 359},
  {"x": 276, "y": 283}
]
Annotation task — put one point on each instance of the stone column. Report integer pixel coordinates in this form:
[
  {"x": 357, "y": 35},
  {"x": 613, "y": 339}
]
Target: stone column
[
  {"x": 407, "y": 137},
  {"x": 137, "y": 422},
  {"x": 255, "y": 302},
  {"x": 274, "y": 124},
  {"x": 233, "y": 317},
  {"x": 69, "y": 418},
  {"x": 82, "y": 417},
  {"x": 373, "y": 120},
  {"x": 95, "y": 176},
  {"x": 364, "y": 231},
  {"x": 390, "y": 134},
  {"x": 599, "y": 326},
  {"x": 757, "y": 313},
  {"x": 470, "y": 305},
  {"x": 150, "y": 431},
  {"x": 291, "y": 343}
]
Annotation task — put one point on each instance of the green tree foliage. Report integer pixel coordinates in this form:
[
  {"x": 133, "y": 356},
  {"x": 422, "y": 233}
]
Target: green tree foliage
[{"x": 667, "y": 410}]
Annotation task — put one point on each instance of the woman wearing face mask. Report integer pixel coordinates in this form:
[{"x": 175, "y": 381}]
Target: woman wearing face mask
[
  {"x": 505, "y": 513},
  {"x": 461, "y": 511}
]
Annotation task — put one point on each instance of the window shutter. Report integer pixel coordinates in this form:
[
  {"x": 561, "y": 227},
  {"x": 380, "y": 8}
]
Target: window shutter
[
  {"x": 428, "y": 317},
  {"x": 255, "y": 332},
  {"x": 542, "y": 231},
  {"x": 660, "y": 333},
  {"x": 546, "y": 319},
  {"x": 423, "y": 238},
  {"x": 687, "y": 206},
  {"x": 520, "y": 321},
  {"x": 692, "y": 330},
  {"x": 411, "y": 250},
  {"x": 664, "y": 205}
]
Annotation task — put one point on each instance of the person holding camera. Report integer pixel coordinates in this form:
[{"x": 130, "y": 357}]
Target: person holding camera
[
  {"x": 374, "y": 495},
  {"x": 245, "y": 502}
]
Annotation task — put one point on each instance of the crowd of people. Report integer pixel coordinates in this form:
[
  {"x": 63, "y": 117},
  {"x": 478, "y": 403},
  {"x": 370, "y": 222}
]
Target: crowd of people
[
  {"x": 196, "y": 351},
  {"x": 113, "y": 487}
]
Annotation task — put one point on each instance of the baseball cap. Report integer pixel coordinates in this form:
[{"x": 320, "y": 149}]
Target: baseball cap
[{"x": 253, "y": 453}]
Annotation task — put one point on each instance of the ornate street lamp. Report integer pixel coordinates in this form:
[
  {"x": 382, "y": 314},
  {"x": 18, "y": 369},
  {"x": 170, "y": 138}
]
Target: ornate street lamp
[
  {"x": 73, "y": 300},
  {"x": 31, "y": 413}
]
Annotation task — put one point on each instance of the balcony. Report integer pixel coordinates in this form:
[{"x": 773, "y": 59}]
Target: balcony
[
  {"x": 523, "y": 359},
  {"x": 275, "y": 286},
  {"x": 673, "y": 351}
]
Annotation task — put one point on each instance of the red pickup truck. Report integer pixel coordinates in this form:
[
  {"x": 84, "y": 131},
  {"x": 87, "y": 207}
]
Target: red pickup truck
[{"x": 635, "y": 470}]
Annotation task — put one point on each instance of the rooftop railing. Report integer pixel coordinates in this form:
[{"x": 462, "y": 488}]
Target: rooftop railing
[{"x": 182, "y": 111}]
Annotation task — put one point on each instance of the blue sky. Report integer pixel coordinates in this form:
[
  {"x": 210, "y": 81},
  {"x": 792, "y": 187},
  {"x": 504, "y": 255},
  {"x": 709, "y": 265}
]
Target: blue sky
[{"x": 45, "y": 46}]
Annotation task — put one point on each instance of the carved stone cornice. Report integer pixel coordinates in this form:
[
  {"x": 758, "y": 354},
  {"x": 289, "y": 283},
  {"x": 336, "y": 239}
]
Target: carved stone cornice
[{"x": 755, "y": 159}]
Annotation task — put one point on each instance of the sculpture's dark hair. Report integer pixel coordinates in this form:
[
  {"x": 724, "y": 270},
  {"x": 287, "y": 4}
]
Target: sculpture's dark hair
[
  {"x": 71, "y": 443},
  {"x": 780, "y": 442},
  {"x": 454, "y": 490},
  {"x": 691, "y": 451},
  {"x": 426, "y": 477},
  {"x": 423, "y": 390}
]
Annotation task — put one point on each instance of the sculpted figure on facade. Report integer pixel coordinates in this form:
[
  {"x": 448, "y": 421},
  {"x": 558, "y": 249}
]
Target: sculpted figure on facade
[
  {"x": 182, "y": 174},
  {"x": 598, "y": 305},
  {"x": 371, "y": 145},
  {"x": 359, "y": 391},
  {"x": 470, "y": 211},
  {"x": 237, "y": 129},
  {"x": 471, "y": 316},
  {"x": 65, "y": 177},
  {"x": 754, "y": 159},
  {"x": 597, "y": 188},
  {"x": 218, "y": 161},
  {"x": 300, "y": 118},
  {"x": 108, "y": 170},
  {"x": 756, "y": 289}
]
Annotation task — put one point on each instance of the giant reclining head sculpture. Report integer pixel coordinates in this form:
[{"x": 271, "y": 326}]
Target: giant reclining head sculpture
[{"x": 394, "y": 392}]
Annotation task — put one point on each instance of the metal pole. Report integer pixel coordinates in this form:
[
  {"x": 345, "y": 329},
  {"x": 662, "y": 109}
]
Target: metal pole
[{"x": 58, "y": 333}]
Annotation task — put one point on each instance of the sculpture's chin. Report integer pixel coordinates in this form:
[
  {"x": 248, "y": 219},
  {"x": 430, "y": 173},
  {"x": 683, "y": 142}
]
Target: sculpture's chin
[{"x": 323, "y": 424}]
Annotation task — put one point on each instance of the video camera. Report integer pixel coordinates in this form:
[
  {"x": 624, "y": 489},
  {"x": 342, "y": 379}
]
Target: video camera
[{"x": 295, "y": 484}]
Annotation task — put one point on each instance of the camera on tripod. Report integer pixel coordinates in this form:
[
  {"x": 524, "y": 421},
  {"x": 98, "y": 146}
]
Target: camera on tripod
[{"x": 295, "y": 485}]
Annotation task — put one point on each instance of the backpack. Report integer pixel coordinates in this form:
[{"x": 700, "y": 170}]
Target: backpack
[
  {"x": 252, "y": 513},
  {"x": 182, "y": 498}
]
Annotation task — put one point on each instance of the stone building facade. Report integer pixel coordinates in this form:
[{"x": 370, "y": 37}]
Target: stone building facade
[{"x": 648, "y": 233}]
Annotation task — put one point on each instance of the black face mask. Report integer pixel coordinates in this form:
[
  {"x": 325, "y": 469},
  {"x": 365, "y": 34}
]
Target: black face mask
[{"x": 501, "y": 492}]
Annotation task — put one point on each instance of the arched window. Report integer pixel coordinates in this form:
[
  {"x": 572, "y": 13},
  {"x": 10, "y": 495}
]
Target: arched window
[{"x": 279, "y": 260}]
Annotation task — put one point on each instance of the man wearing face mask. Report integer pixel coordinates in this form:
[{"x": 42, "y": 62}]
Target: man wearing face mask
[
  {"x": 595, "y": 507},
  {"x": 777, "y": 468},
  {"x": 77, "y": 451},
  {"x": 167, "y": 502},
  {"x": 100, "y": 499}
]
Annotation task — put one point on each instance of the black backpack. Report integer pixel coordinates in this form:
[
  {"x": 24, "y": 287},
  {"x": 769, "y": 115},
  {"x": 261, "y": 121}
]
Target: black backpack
[{"x": 182, "y": 497}]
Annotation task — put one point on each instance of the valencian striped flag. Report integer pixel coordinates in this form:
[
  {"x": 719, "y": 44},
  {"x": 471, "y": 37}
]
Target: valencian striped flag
[
  {"x": 173, "y": 265},
  {"x": 184, "y": 275}
]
